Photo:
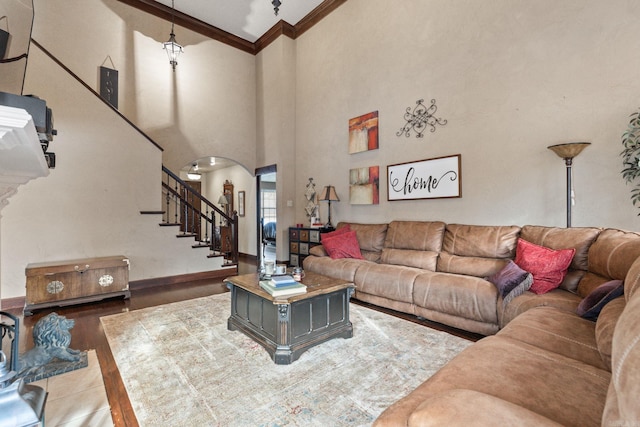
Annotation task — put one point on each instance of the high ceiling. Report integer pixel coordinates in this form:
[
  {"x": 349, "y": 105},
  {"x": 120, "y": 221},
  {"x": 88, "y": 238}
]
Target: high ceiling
[{"x": 247, "y": 19}]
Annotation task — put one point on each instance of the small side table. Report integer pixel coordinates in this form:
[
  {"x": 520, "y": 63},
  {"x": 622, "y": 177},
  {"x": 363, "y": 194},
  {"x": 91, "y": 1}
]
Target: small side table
[{"x": 301, "y": 240}]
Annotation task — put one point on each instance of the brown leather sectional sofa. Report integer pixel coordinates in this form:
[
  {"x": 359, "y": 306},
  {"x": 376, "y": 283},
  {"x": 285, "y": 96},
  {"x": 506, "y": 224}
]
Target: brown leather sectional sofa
[{"x": 542, "y": 364}]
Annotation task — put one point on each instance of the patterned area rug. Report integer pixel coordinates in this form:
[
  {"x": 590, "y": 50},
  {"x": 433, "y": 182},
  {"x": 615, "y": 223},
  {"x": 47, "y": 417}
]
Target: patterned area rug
[{"x": 182, "y": 367}]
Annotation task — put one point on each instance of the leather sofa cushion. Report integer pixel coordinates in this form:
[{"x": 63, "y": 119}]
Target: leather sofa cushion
[
  {"x": 343, "y": 268},
  {"x": 472, "y": 408},
  {"x": 559, "y": 332},
  {"x": 484, "y": 241},
  {"x": 370, "y": 236},
  {"x": 416, "y": 235},
  {"x": 477, "y": 250},
  {"x": 610, "y": 257},
  {"x": 463, "y": 296},
  {"x": 557, "y": 298},
  {"x": 413, "y": 244},
  {"x": 622, "y": 401},
  {"x": 605, "y": 325},
  {"x": 578, "y": 238},
  {"x": 411, "y": 258},
  {"x": 393, "y": 282},
  {"x": 556, "y": 387},
  {"x": 470, "y": 266}
]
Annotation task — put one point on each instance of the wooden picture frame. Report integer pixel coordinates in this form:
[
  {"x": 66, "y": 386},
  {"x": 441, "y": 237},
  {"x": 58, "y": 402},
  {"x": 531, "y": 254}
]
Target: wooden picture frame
[
  {"x": 240, "y": 203},
  {"x": 436, "y": 178}
]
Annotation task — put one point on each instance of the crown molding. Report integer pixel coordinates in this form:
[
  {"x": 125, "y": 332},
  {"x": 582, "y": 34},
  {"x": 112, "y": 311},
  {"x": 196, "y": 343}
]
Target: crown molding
[{"x": 281, "y": 28}]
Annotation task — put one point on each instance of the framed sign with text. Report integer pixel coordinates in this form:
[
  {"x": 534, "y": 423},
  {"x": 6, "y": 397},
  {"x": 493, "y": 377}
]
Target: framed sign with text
[{"x": 425, "y": 179}]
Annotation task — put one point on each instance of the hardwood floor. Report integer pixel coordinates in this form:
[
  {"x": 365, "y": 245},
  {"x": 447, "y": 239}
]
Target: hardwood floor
[{"x": 88, "y": 334}]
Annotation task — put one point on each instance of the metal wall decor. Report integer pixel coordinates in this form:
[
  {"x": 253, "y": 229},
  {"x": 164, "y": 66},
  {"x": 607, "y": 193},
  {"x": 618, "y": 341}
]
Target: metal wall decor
[
  {"x": 420, "y": 118},
  {"x": 311, "y": 207},
  {"x": 276, "y": 6}
]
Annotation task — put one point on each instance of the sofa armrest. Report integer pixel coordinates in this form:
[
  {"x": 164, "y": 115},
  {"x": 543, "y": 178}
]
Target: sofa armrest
[
  {"x": 318, "y": 251},
  {"x": 468, "y": 407}
]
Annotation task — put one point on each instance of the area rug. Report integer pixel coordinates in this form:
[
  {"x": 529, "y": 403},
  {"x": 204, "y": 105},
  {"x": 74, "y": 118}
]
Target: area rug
[{"x": 182, "y": 367}]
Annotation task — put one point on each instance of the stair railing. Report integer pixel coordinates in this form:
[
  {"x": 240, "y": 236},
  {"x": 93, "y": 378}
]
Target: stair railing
[{"x": 184, "y": 205}]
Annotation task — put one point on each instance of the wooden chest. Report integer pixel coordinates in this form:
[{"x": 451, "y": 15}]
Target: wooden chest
[{"x": 76, "y": 281}]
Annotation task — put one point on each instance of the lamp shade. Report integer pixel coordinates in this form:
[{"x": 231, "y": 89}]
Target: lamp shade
[
  {"x": 569, "y": 150},
  {"x": 223, "y": 200},
  {"x": 329, "y": 193}
]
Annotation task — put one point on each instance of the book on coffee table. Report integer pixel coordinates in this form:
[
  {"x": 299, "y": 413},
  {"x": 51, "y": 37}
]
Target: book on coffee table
[
  {"x": 280, "y": 281},
  {"x": 282, "y": 291}
]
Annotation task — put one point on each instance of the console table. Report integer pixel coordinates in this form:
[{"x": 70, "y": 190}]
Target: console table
[{"x": 78, "y": 281}]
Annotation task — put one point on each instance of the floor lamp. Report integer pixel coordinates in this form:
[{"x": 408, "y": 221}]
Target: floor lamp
[
  {"x": 328, "y": 193},
  {"x": 567, "y": 152}
]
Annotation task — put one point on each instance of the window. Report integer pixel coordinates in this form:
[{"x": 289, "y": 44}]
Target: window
[{"x": 268, "y": 204}]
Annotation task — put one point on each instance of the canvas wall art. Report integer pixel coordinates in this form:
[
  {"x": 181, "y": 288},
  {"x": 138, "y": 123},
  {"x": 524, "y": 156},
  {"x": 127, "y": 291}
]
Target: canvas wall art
[
  {"x": 425, "y": 179},
  {"x": 363, "y": 133},
  {"x": 364, "y": 186}
]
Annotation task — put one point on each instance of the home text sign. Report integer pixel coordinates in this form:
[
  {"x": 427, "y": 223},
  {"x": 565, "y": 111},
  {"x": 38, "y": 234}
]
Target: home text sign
[{"x": 425, "y": 179}]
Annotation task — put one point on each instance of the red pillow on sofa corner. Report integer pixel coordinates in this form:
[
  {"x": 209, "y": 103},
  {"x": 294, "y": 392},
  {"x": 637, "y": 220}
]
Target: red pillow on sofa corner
[
  {"x": 336, "y": 232},
  {"x": 547, "y": 266},
  {"x": 344, "y": 245}
]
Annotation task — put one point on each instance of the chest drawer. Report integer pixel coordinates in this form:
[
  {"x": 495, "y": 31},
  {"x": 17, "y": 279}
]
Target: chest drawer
[{"x": 75, "y": 281}]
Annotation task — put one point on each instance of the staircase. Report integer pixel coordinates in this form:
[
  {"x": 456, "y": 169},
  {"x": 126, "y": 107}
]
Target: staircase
[
  {"x": 198, "y": 218},
  {"x": 183, "y": 205}
]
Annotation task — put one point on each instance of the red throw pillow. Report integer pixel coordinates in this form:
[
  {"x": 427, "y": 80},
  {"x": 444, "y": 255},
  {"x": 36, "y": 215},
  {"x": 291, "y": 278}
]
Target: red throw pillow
[
  {"x": 547, "y": 266},
  {"x": 344, "y": 245},
  {"x": 337, "y": 232}
]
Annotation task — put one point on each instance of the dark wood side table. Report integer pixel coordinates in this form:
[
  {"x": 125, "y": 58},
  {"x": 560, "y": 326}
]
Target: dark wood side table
[
  {"x": 287, "y": 327},
  {"x": 301, "y": 239}
]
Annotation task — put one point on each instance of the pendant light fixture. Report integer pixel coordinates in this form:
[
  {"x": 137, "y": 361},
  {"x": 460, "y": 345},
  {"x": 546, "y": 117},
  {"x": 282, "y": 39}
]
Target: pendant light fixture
[
  {"x": 276, "y": 6},
  {"x": 172, "y": 47},
  {"x": 194, "y": 174}
]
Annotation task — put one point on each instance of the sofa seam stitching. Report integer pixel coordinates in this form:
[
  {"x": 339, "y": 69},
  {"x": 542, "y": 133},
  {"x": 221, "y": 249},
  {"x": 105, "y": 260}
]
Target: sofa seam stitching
[{"x": 560, "y": 336}]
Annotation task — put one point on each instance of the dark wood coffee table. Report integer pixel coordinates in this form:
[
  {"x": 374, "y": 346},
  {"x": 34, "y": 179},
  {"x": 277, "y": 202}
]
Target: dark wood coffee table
[{"x": 287, "y": 327}]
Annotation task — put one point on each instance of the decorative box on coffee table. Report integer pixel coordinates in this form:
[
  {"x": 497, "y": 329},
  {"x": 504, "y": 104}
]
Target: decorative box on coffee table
[{"x": 52, "y": 284}]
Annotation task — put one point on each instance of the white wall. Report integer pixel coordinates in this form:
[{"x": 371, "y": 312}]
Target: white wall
[
  {"x": 276, "y": 130},
  {"x": 17, "y": 17},
  {"x": 511, "y": 77},
  {"x": 90, "y": 204},
  {"x": 207, "y": 107}
]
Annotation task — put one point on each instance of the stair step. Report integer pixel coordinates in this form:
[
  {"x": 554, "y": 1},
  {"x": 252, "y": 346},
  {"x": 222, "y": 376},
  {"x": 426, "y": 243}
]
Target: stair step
[
  {"x": 169, "y": 224},
  {"x": 216, "y": 254},
  {"x": 200, "y": 245},
  {"x": 186, "y": 235},
  {"x": 151, "y": 212}
]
